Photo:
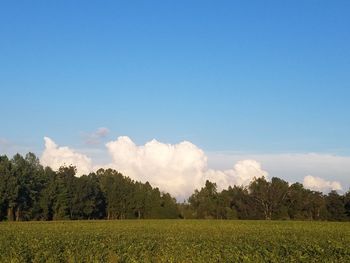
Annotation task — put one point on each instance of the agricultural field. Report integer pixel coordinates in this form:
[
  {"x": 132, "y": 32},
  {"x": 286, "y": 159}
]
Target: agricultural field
[{"x": 174, "y": 241}]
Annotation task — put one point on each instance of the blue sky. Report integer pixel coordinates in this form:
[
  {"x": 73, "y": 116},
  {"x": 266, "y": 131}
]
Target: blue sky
[{"x": 252, "y": 77}]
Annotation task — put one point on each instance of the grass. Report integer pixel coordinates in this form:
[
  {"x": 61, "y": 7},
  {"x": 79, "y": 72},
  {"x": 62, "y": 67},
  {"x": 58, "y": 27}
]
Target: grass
[{"x": 174, "y": 241}]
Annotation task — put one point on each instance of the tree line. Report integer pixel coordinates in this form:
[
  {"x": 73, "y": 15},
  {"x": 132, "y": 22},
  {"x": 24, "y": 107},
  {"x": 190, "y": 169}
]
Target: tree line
[
  {"x": 269, "y": 200},
  {"x": 29, "y": 191}
]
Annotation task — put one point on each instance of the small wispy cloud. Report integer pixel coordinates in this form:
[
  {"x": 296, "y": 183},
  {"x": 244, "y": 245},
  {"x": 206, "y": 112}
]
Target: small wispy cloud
[
  {"x": 96, "y": 137},
  {"x": 4, "y": 142},
  {"x": 10, "y": 148}
]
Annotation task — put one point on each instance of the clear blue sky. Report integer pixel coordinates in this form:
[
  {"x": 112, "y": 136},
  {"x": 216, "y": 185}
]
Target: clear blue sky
[{"x": 250, "y": 76}]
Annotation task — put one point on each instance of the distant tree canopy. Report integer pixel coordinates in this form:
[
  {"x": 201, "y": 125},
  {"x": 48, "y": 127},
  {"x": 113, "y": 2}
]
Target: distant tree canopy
[
  {"x": 263, "y": 199},
  {"x": 29, "y": 191}
]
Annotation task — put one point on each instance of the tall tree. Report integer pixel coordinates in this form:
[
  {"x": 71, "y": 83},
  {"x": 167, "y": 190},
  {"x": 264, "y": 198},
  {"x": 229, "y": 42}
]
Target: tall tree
[
  {"x": 259, "y": 190},
  {"x": 64, "y": 187},
  {"x": 336, "y": 207},
  {"x": 88, "y": 199},
  {"x": 347, "y": 204},
  {"x": 295, "y": 201},
  {"x": 5, "y": 178},
  {"x": 278, "y": 192},
  {"x": 204, "y": 202},
  {"x": 241, "y": 203}
]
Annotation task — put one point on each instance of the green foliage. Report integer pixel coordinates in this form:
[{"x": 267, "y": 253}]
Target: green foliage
[
  {"x": 335, "y": 207},
  {"x": 263, "y": 199},
  {"x": 30, "y": 192},
  {"x": 175, "y": 241},
  {"x": 205, "y": 202}
]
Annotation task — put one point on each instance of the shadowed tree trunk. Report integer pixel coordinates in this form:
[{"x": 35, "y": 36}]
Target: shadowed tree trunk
[{"x": 10, "y": 214}]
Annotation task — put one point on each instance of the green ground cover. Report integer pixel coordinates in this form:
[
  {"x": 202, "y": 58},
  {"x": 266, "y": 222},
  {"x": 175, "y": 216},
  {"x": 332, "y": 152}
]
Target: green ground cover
[{"x": 174, "y": 241}]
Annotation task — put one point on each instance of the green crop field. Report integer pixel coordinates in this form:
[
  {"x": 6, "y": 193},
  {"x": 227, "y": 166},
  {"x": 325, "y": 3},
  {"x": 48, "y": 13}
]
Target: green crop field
[{"x": 174, "y": 241}]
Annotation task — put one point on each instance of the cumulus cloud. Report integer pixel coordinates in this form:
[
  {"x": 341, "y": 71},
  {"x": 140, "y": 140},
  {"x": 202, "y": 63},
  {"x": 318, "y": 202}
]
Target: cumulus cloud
[
  {"x": 319, "y": 184},
  {"x": 177, "y": 169},
  {"x": 96, "y": 136},
  {"x": 292, "y": 167},
  {"x": 173, "y": 168},
  {"x": 181, "y": 168},
  {"x": 242, "y": 174},
  {"x": 55, "y": 157}
]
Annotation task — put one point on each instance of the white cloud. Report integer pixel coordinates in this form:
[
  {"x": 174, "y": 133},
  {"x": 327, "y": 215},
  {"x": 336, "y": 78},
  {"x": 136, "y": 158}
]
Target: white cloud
[
  {"x": 242, "y": 174},
  {"x": 292, "y": 167},
  {"x": 55, "y": 157},
  {"x": 177, "y": 169},
  {"x": 319, "y": 184},
  {"x": 246, "y": 170},
  {"x": 173, "y": 168},
  {"x": 181, "y": 168}
]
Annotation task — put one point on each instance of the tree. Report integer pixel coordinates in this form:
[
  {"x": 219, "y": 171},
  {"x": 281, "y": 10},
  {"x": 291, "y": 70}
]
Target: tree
[
  {"x": 315, "y": 205},
  {"x": 270, "y": 197},
  {"x": 169, "y": 208},
  {"x": 295, "y": 201},
  {"x": 117, "y": 191},
  {"x": 259, "y": 191},
  {"x": 88, "y": 199},
  {"x": 204, "y": 202},
  {"x": 347, "y": 204},
  {"x": 278, "y": 192},
  {"x": 5, "y": 177},
  {"x": 335, "y": 207},
  {"x": 64, "y": 190},
  {"x": 29, "y": 191},
  {"x": 47, "y": 196}
]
